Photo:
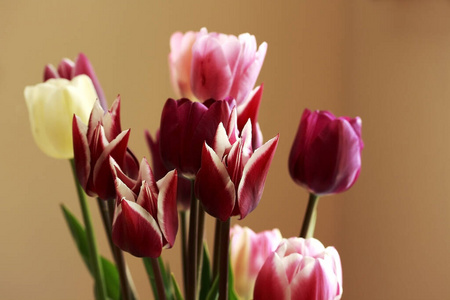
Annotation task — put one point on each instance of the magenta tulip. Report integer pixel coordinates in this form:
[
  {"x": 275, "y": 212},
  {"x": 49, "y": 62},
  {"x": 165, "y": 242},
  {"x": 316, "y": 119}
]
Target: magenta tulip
[
  {"x": 249, "y": 109},
  {"x": 146, "y": 221},
  {"x": 94, "y": 144},
  {"x": 231, "y": 179},
  {"x": 326, "y": 155},
  {"x": 300, "y": 270},
  {"x": 160, "y": 170},
  {"x": 185, "y": 126},
  {"x": 249, "y": 251},
  {"x": 68, "y": 69}
]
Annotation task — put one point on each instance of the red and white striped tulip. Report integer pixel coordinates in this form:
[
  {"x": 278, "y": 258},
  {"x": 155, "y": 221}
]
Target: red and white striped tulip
[
  {"x": 94, "y": 144},
  {"x": 231, "y": 179},
  {"x": 145, "y": 221},
  {"x": 249, "y": 251},
  {"x": 300, "y": 269}
]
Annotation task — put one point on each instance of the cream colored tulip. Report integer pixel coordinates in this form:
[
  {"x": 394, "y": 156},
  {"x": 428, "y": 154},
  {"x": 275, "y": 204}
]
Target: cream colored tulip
[{"x": 51, "y": 106}]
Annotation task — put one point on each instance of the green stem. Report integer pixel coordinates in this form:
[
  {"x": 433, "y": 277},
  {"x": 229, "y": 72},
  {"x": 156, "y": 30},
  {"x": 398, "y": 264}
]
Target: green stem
[
  {"x": 223, "y": 264},
  {"x": 158, "y": 278},
  {"x": 94, "y": 256},
  {"x": 309, "y": 221},
  {"x": 184, "y": 248},
  {"x": 192, "y": 263}
]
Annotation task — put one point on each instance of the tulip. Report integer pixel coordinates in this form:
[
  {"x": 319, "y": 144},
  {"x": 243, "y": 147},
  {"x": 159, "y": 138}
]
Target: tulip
[
  {"x": 51, "y": 106},
  {"x": 160, "y": 170},
  {"x": 94, "y": 144},
  {"x": 185, "y": 126},
  {"x": 145, "y": 222},
  {"x": 326, "y": 155},
  {"x": 300, "y": 269},
  {"x": 216, "y": 65},
  {"x": 68, "y": 69},
  {"x": 231, "y": 179},
  {"x": 249, "y": 251}
]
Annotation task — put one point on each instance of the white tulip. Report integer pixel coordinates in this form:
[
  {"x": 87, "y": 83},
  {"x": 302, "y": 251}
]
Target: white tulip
[{"x": 51, "y": 106}]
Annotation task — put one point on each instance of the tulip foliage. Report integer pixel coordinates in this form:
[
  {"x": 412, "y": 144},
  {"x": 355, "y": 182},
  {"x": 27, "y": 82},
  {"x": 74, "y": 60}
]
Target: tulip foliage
[{"x": 208, "y": 158}]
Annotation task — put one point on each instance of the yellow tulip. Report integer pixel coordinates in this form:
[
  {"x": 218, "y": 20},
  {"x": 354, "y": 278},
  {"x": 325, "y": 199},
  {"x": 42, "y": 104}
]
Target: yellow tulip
[{"x": 51, "y": 106}]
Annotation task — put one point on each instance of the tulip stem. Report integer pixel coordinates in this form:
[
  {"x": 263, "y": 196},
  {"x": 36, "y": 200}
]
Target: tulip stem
[
  {"x": 200, "y": 231},
  {"x": 309, "y": 221},
  {"x": 183, "y": 248},
  {"x": 93, "y": 252},
  {"x": 223, "y": 264},
  {"x": 192, "y": 268},
  {"x": 158, "y": 279},
  {"x": 216, "y": 249}
]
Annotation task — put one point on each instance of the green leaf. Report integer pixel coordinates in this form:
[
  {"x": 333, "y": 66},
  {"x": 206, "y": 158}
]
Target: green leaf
[
  {"x": 177, "y": 292},
  {"x": 206, "y": 277},
  {"x": 80, "y": 238},
  {"x": 213, "y": 293}
]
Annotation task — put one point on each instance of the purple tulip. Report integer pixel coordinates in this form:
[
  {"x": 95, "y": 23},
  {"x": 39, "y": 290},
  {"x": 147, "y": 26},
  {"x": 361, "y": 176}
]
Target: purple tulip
[
  {"x": 185, "y": 126},
  {"x": 94, "y": 144},
  {"x": 145, "y": 218},
  {"x": 326, "y": 155},
  {"x": 231, "y": 179},
  {"x": 300, "y": 269},
  {"x": 248, "y": 252},
  {"x": 68, "y": 69}
]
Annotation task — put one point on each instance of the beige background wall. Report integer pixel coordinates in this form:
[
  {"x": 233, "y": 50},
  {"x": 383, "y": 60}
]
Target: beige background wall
[{"x": 386, "y": 61}]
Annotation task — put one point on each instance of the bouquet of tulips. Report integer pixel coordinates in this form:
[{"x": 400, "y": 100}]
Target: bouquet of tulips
[{"x": 208, "y": 156}]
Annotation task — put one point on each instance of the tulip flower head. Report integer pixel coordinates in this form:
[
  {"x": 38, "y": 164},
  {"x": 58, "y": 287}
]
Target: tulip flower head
[
  {"x": 94, "y": 144},
  {"x": 300, "y": 269},
  {"x": 185, "y": 126},
  {"x": 51, "y": 106},
  {"x": 68, "y": 69},
  {"x": 145, "y": 218},
  {"x": 326, "y": 154},
  {"x": 249, "y": 251},
  {"x": 231, "y": 179},
  {"x": 215, "y": 65}
]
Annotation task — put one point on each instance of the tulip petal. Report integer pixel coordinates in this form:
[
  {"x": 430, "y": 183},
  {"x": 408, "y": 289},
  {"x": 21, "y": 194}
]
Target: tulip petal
[
  {"x": 83, "y": 66},
  {"x": 50, "y": 72},
  {"x": 213, "y": 186},
  {"x": 82, "y": 156},
  {"x": 167, "y": 207},
  {"x": 250, "y": 110},
  {"x": 65, "y": 69},
  {"x": 254, "y": 177},
  {"x": 210, "y": 73},
  {"x": 136, "y": 231},
  {"x": 272, "y": 282},
  {"x": 101, "y": 176}
]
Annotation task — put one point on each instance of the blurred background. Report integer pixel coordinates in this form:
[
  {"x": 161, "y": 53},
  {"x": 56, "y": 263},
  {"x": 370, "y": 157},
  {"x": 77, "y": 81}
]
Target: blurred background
[{"x": 387, "y": 61}]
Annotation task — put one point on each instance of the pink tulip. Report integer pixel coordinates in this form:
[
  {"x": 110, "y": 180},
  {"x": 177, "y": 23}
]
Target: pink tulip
[
  {"x": 215, "y": 65},
  {"x": 326, "y": 155},
  {"x": 185, "y": 126},
  {"x": 160, "y": 170},
  {"x": 300, "y": 270},
  {"x": 68, "y": 69},
  {"x": 231, "y": 179},
  {"x": 94, "y": 144},
  {"x": 249, "y": 251},
  {"x": 145, "y": 218}
]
